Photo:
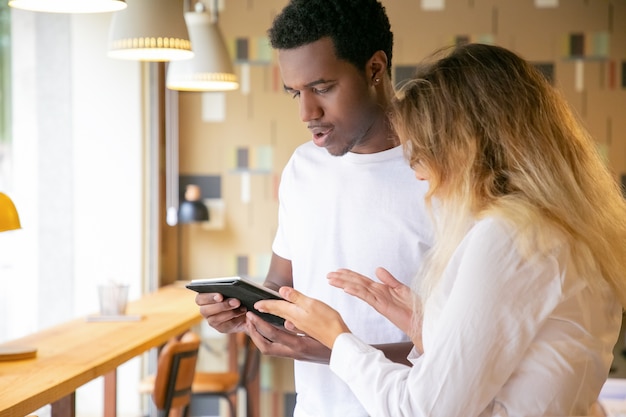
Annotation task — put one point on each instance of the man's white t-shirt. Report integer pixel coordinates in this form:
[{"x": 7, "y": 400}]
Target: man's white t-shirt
[{"x": 357, "y": 211}]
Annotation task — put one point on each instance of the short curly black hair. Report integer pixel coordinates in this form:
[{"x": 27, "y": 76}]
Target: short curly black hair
[{"x": 358, "y": 28}]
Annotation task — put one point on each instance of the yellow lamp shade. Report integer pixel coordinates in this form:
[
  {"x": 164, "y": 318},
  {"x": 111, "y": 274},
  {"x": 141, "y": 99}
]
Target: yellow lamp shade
[{"x": 9, "y": 220}]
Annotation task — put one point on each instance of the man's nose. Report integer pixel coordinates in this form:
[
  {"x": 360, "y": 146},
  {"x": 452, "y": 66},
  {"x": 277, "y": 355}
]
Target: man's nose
[{"x": 309, "y": 107}]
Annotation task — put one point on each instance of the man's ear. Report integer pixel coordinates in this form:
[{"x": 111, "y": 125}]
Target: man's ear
[{"x": 376, "y": 67}]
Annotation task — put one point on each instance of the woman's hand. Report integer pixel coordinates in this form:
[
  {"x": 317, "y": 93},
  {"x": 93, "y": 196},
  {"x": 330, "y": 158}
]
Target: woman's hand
[
  {"x": 390, "y": 298},
  {"x": 284, "y": 342},
  {"x": 307, "y": 315}
]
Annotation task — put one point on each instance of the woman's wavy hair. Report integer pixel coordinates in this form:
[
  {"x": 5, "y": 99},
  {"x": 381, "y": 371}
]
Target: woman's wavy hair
[{"x": 497, "y": 139}]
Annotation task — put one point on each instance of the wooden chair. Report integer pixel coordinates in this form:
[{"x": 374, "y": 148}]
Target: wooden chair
[
  {"x": 226, "y": 385},
  {"x": 170, "y": 387}
]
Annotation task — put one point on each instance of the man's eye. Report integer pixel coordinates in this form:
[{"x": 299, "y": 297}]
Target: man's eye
[
  {"x": 321, "y": 90},
  {"x": 295, "y": 94}
]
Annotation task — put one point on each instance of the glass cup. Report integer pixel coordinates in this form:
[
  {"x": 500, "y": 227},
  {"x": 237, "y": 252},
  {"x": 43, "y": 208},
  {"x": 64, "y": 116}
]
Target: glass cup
[{"x": 113, "y": 298}]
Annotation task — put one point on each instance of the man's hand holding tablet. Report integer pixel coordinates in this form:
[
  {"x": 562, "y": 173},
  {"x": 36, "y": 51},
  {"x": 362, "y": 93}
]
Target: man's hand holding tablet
[{"x": 245, "y": 290}]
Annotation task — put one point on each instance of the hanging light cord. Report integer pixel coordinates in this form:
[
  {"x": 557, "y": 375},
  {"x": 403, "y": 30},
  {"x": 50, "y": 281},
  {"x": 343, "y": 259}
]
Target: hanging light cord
[
  {"x": 171, "y": 160},
  {"x": 215, "y": 11}
]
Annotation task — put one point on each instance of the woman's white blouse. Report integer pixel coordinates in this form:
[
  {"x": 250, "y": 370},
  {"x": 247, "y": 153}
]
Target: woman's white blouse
[{"x": 503, "y": 335}]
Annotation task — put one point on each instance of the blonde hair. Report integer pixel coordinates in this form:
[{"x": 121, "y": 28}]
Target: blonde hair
[{"x": 498, "y": 140}]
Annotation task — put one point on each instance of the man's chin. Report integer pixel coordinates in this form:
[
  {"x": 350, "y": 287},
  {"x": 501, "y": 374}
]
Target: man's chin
[{"x": 335, "y": 152}]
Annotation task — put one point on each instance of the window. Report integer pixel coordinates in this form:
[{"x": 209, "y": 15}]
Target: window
[
  {"x": 5, "y": 95},
  {"x": 75, "y": 132}
]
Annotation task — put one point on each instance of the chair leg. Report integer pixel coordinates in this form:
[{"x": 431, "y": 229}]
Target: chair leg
[
  {"x": 232, "y": 404},
  {"x": 174, "y": 412},
  {"x": 177, "y": 412}
]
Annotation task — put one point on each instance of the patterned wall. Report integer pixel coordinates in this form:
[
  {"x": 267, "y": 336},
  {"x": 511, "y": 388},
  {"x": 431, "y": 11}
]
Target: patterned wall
[{"x": 579, "y": 44}]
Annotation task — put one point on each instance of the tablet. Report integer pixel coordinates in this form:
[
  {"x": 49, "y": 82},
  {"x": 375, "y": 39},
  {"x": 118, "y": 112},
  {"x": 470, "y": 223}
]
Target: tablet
[{"x": 245, "y": 290}]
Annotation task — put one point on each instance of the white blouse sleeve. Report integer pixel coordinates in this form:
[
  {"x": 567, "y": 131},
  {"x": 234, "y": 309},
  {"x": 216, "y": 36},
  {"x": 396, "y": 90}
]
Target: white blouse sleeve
[{"x": 495, "y": 304}]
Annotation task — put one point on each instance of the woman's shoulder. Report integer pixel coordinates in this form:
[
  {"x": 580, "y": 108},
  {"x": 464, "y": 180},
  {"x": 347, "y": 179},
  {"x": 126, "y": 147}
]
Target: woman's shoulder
[{"x": 527, "y": 238}]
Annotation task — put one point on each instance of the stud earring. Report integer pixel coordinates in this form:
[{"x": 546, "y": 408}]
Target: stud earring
[{"x": 377, "y": 80}]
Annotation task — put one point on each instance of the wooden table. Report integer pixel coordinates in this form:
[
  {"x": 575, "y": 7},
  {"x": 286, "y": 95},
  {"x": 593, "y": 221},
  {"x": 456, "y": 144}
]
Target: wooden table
[{"x": 76, "y": 352}]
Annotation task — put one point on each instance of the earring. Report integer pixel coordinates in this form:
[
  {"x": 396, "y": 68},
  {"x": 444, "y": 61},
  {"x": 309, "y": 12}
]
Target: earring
[{"x": 376, "y": 80}]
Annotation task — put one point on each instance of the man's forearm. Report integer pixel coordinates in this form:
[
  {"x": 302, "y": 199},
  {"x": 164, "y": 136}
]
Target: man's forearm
[{"x": 396, "y": 352}]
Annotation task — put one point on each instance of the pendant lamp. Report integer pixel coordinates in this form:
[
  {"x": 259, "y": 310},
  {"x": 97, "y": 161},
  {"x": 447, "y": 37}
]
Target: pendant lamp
[
  {"x": 9, "y": 220},
  {"x": 69, "y": 6},
  {"x": 211, "y": 68},
  {"x": 192, "y": 209},
  {"x": 150, "y": 30}
]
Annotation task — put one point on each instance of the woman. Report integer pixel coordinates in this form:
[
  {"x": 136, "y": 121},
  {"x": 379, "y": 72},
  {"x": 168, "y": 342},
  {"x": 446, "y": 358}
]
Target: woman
[{"x": 523, "y": 292}]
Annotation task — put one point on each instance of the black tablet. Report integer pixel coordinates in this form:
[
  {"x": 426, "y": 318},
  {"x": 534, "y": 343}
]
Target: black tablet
[{"x": 245, "y": 290}]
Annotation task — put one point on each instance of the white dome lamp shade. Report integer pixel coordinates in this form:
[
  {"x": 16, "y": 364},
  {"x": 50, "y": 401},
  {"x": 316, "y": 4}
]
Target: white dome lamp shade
[
  {"x": 69, "y": 6},
  {"x": 211, "y": 68},
  {"x": 150, "y": 30}
]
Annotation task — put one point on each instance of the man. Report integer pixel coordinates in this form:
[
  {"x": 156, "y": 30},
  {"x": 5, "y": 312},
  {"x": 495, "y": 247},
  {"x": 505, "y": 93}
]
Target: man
[{"x": 348, "y": 198}]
